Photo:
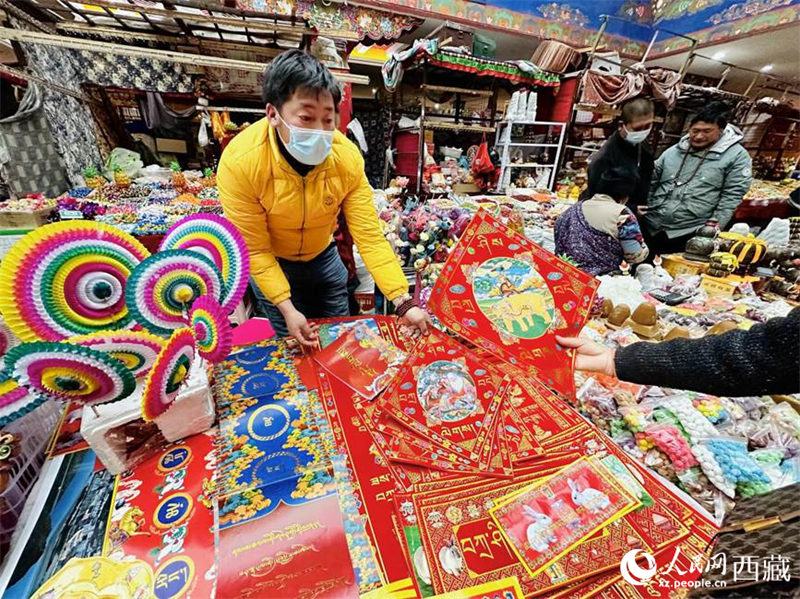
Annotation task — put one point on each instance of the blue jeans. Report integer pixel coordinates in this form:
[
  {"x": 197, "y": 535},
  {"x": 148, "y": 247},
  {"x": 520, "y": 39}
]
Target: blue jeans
[{"x": 319, "y": 289}]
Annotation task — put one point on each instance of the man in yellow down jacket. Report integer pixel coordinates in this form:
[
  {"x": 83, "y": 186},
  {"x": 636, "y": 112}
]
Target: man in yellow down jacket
[{"x": 283, "y": 181}]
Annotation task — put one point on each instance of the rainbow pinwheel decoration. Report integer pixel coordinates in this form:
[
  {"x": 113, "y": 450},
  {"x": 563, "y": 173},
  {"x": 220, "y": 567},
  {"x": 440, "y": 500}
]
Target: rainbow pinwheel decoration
[
  {"x": 16, "y": 401},
  {"x": 162, "y": 288},
  {"x": 211, "y": 328},
  {"x": 217, "y": 239},
  {"x": 66, "y": 279},
  {"x": 137, "y": 350},
  {"x": 69, "y": 372},
  {"x": 171, "y": 369}
]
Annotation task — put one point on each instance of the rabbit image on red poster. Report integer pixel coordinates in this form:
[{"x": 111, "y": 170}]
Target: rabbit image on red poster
[
  {"x": 505, "y": 294},
  {"x": 547, "y": 519}
]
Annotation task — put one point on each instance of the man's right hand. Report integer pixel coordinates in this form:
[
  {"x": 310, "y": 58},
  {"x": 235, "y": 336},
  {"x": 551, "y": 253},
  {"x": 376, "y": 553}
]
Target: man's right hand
[
  {"x": 641, "y": 210},
  {"x": 297, "y": 325}
]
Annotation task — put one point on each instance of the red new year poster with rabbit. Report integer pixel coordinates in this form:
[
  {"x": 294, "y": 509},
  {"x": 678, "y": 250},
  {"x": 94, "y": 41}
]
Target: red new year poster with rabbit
[
  {"x": 545, "y": 520},
  {"x": 507, "y": 295}
]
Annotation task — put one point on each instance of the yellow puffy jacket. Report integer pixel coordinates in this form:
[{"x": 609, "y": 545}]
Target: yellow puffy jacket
[{"x": 283, "y": 215}]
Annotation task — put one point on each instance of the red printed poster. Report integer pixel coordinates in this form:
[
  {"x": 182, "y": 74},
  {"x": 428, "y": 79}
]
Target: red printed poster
[
  {"x": 445, "y": 394},
  {"x": 362, "y": 360},
  {"x": 295, "y": 551},
  {"x": 162, "y": 515},
  {"x": 547, "y": 519},
  {"x": 68, "y": 438},
  {"x": 510, "y": 297}
]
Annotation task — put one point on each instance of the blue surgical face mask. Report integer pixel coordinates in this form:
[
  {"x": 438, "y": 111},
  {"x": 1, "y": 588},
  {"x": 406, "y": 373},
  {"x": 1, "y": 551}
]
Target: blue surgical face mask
[
  {"x": 636, "y": 137},
  {"x": 309, "y": 146}
]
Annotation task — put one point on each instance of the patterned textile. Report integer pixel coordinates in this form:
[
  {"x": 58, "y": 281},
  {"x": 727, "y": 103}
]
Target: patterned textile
[
  {"x": 367, "y": 23},
  {"x": 131, "y": 72},
  {"x": 595, "y": 252},
  {"x": 376, "y": 130},
  {"x": 70, "y": 120},
  {"x": 29, "y": 160},
  {"x": 532, "y": 76},
  {"x": 630, "y": 237}
]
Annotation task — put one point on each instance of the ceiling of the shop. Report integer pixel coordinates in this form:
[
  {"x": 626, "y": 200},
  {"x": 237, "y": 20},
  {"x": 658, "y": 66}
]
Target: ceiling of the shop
[
  {"x": 509, "y": 46},
  {"x": 680, "y": 16},
  {"x": 779, "y": 48}
]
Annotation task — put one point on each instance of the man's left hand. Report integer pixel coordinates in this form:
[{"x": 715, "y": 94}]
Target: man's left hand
[{"x": 418, "y": 319}]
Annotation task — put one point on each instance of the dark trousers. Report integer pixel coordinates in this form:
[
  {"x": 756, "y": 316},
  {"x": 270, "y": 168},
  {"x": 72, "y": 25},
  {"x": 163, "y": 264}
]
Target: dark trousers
[
  {"x": 661, "y": 245},
  {"x": 319, "y": 289}
]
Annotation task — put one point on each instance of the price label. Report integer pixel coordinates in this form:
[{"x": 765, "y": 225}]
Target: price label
[{"x": 70, "y": 214}]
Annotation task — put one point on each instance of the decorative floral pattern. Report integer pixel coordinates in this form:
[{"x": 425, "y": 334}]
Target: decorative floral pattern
[
  {"x": 638, "y": 11},
  {"x": 747, "y": 9},
  {"x": 564, "y": 13},
  {"x": 727, "y": 31},
  {"x": 674, "y": 9}
]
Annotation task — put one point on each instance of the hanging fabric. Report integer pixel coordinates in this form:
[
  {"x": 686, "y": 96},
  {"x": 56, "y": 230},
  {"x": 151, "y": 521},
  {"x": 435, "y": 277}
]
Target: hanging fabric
[{"x": 29, "y": 159}]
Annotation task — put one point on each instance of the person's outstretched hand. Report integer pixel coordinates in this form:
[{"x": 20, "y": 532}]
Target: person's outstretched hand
[
  {"x": 299, "y": 328},
  {"x": 590, "y": 356},
  {"x": 418, "y": 319}
]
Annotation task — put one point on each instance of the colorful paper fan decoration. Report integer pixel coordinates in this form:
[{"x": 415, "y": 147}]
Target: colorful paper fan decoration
[
  {"x": 162, "y": 288},
  {"x": 69, "y": 372},
  {"x": 171, "y": 369},
  {"x": 137, "y": 350},
  {"x": 16, "y": 401},
  {"x": 216, "y": 238},
  {"x": 211, "y": 328},
  {"x": 66, "y": 279},
  {"x": 7, "y": 338}
]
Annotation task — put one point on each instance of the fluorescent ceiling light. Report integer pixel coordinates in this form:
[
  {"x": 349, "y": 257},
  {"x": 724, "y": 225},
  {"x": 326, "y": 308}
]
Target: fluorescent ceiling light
[
  {"x": 719, "y": 55},
  {"x": 766, "y": 68}
]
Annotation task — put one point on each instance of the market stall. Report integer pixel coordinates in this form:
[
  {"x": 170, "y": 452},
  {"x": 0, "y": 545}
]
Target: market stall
[{"x": 158, "y": 440}]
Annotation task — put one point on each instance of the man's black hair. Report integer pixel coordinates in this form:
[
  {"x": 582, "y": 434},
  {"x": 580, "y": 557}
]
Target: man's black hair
[
  {"x": 716, "y": 112},
  {"x": 636, "y": 108},
  {"x": 293, "y": 70},
  {"x": 618, "y": 182}
]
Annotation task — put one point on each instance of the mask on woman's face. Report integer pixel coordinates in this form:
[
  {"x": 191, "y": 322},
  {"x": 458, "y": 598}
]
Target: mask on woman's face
[
  {"x": 636, "y": 137},
  {"x": 309, "y": 146}
]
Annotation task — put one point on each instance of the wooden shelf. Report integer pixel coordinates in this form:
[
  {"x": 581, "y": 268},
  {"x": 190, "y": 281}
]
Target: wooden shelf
[
  {"x": 457, "y": 127},
  {"x": 457, "y": 90},
  {"x": 526, "y": 145}
]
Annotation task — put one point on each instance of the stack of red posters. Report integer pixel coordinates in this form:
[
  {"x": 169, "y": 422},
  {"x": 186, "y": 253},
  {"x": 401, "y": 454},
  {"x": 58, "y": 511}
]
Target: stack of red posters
[
  {"x": 503, "y": 293},
  {"x": 443, "y": 409}
]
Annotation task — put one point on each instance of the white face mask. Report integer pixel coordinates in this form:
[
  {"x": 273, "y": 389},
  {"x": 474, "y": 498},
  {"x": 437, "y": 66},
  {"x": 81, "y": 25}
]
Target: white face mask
[
  {"x": 636, "y": 137},
  {"x": 309, "y": 146}
]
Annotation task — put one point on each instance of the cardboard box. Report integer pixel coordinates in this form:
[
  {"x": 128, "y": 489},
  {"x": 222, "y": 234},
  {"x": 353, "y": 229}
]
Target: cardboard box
[
  {"x": 24, "y": 220},
  {"x": 171, "y": 146},
  {"x": 453, "y": 35},
  {"x": 676, "y": 265}
]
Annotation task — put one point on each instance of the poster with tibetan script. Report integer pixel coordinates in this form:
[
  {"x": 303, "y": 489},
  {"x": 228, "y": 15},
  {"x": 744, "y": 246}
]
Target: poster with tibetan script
[
  {"x": 510, "y": 297},
  {"x": 362, "y": 359},
  {"x": 446, "y": 395},
  {"x": 162, "y": 514}
]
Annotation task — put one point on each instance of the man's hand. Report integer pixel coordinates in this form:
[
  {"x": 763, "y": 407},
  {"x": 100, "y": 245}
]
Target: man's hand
[
  {"x": 418, "y": 319},
  {"x": 297, "y": 325},
  {"x": 642, "y": 210},
  {"x": 590, "y": 356}
]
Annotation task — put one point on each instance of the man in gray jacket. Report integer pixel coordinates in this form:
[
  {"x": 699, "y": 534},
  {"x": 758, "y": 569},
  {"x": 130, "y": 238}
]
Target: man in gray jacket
[{"x": 705, "y": 175}]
